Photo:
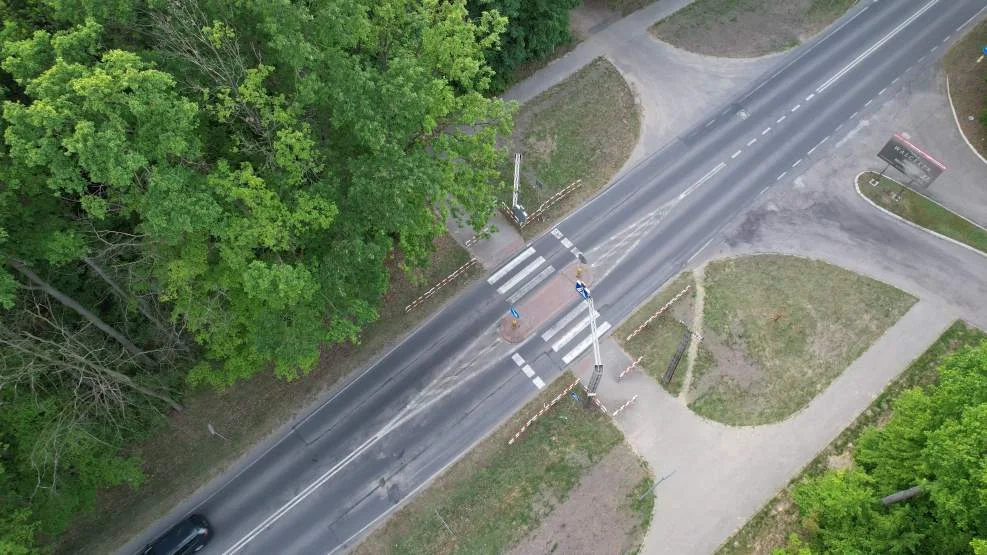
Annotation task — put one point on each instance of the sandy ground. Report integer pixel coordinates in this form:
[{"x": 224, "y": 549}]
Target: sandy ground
[{"x": 595, "y": 518}]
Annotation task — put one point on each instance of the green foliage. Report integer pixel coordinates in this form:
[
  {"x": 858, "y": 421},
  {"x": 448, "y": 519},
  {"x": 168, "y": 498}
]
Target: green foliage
[
  {"x": 535, "y": 28},
  {"x": 935, "y": 439}
]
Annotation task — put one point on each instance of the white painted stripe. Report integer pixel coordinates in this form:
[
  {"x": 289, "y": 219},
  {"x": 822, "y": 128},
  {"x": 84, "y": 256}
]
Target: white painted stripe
[
  {"x": 532, "y": 283},
  {"x": 702, "y": 180},
  {"x": 538, "y": 383},
  {"x": 510, "y": 265},
  {"x": 810, "y": 97},
  {"x": 585, "y": 343},
  {"x": 735, "y": 154},
  {"x": 829, "y": 82},
  {"x": 884, "y": 90},
  {"x": 710, "y": 122},
  {"x": 517, "y": 359},
  {"x": 933, "y": 49},
  {"x": 796, "y": 107},
  {"x": 580, "y": 309},
  {"x": 965, "y": 23},
  {"x": 853, "y": 115},
  {"x": 556, "y": 233},
  {"x": 566, "y": 243},
  {"x": 797, "y": 162},
  {"x": 521, "y": 275},
  {"x": 895, "y": 80},
  {"x": 752, "y": 141},
  {"x": 780, "y": 176},
  {"x": 766, "y": 131},
  {"x": 947, "y": 38},
  {"x": 571, "y": 334},
  {"x": 866, "y": 104},
  {"x": 781, "y": 119},
  {"x": 528, "y": 371}
]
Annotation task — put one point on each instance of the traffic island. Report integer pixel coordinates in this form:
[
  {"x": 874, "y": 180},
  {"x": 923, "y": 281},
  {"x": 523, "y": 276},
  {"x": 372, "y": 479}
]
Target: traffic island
[{"x": 536, "y": 309}]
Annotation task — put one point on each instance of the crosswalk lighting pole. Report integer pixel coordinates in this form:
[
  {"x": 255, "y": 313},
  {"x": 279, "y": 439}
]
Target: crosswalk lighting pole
[{"x": 594, "y": 381}]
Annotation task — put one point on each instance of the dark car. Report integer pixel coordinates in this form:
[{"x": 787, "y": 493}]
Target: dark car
[{"x": 188, "y": 536}]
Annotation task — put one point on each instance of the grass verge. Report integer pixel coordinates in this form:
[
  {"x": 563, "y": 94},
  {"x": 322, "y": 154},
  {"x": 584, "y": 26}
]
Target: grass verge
[
  {"x": 747, "y": 28},
  {"x": 657, "y": 342},
  {"x": 921, "y": 211},
  {"x": 968, "y": 85},
  {"x": 795, "y": 323},
  {"x": 583, "y": 128},
  {"x": 770, "y": 527},
  {"x": 182, "y": 456},
  {"x": 498, "y": 492}
]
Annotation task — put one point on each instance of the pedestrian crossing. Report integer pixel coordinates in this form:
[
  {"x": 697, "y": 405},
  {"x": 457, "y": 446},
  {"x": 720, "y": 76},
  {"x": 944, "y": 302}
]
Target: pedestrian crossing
[
  {"x": 518, "y": 277},
  {"x": 576, "y": 336}
]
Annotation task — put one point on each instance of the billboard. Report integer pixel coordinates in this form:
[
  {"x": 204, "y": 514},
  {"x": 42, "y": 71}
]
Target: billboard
[{"x": 911, "y": 160}]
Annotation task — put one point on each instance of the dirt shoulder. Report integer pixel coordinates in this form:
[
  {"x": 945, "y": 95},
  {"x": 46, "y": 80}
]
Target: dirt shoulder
[
  {"x": 747, "y": 28},
  {"x": 966, "y": 69}
]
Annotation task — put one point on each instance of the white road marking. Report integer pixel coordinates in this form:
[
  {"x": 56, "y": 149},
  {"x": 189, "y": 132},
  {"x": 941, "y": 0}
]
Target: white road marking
[
  {"x": 895, "y": 80},
  {"x": 810, "y": 97},
  {"x": 829, "y": 82},
  {"x": 510, "y": 265},
  {"x": 796, "y": 107},
  {"x": 766, "y": 131},
  {"x": 975, "y": 16},
  {"x": 701, "y": 249},
  {"x": 556, "y": 233},
  {"x": 528, "y": 371},
  {"x": 532, "y": 283},
  {"x": 520, "y": 275},
  {"x": 866, "y": 104},
  {"x": 569, "y": 335},
  {"x": 884, "y": 90},
  {"x": 752, "y": 141},
  {"x": 947, "y": 38},
  {"x": 933, "y": 49},
  {"x": 517, "y": 359},
  {"x": 585, "y": 343},
  {"x": 566, "y": 243},
  {"x": 710, "y": 122},
  {"x": 797, "y": 162},
  {"x": 702, "y": 180},
  {"x": 922, "y": 59},
  {"x": 735, "y": 154},
  {"x": 780, "y": 176},
  {"x": 538, "y": 382},
  {"x": 564, "y": 322},
  {"x": 781, "y": 119},
  {"x": 853, "y": 115}
]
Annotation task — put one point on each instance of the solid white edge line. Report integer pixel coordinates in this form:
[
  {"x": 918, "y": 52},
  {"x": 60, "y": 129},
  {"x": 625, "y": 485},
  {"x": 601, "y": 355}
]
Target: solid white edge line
[
  {"x": 511, "y": 265},
  {"x": 839, "y": 74}
]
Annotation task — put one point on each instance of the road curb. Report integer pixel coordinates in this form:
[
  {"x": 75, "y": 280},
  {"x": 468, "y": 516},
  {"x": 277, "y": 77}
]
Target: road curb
[
  {"x": 959, "y": 127},
  {"x": 856, "y": 186}
]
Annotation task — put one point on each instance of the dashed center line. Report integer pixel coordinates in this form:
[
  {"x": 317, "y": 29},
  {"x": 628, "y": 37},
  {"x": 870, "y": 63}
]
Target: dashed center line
[
  {"x": 797, "y": 162},
  {"x": 780, "y": 176},
  {"x": 853, "y": 115},
  {"x": 866, "y": 104},
  {"x": 781, "y": 119},
  {"x": 796, "y": 107},
  {"x": 884, "y": 90},
  {"x": 810, "y": 97},
  {"x": 735, "y": 154},
  {"x": 752, "y": 141},
  {"x": 766, "y": 131}
]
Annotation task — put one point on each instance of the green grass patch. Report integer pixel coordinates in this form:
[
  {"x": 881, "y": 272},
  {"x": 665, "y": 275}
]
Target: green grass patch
[
  {"x": 657, "y": 342},
  {"x": 182, "y": 455},
  {"x": 968, "y": 84},
  {"x": 921, "y": 210},
  {"x": 747, "y": 28},
  {"x": 582, "y": 129},
  {"x": 771, "y": 526},
  {"x": 498, "y": 492},
  {"x": 798, "y": 322}
]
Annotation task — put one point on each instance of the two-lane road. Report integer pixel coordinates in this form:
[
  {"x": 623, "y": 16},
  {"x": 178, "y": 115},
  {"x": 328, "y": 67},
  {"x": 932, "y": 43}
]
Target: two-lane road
[{"x": 421, "y": 406}]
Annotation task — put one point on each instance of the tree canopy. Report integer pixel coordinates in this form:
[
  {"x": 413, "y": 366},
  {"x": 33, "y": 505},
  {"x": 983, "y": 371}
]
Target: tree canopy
[
  {"x": 196, "y": 191},
  {"x": 935, "y": 441}
]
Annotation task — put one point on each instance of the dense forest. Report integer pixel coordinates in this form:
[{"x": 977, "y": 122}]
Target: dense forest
[
  {"x": 194, "y": 191},
  {"x": 918, "y": 483}
]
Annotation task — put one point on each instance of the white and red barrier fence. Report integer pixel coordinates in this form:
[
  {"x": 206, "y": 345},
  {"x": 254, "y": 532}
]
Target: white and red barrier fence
[
  {"x": 448, "y": 279},
  {"x": 658, "y": 313},
  {"x": 629, "y": 368},
  {"x": 624, "y": 406},
  {"x": 543, "y": 410}
]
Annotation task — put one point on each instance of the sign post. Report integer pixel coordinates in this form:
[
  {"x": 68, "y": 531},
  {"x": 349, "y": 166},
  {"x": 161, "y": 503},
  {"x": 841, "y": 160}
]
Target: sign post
[
  {"x": 911, "y": 160},
  {"x": 516, "y": 316},
  {"x": 594, "y": 381}
]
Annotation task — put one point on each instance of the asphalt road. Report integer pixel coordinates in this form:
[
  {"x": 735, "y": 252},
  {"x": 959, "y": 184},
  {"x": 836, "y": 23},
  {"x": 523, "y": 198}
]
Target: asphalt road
[{"x": 410, "y": 415}]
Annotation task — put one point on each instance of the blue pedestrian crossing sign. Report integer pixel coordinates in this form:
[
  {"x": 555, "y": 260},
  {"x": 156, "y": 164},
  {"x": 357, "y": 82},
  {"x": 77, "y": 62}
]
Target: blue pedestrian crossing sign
[
  {"x": 514, "y": 312},
  {"x": 582, "y": 290}
]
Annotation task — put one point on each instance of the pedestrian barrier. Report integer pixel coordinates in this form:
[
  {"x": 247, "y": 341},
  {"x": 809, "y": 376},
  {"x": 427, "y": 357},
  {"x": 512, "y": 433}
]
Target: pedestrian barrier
[
  {"x": 543, "y": 410},
  {"x": 629, "y": 368},
  {"x": 448, "y": 279},
  {"x": 624, "y": 406},
  {"x": 658, "y": 312}
]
